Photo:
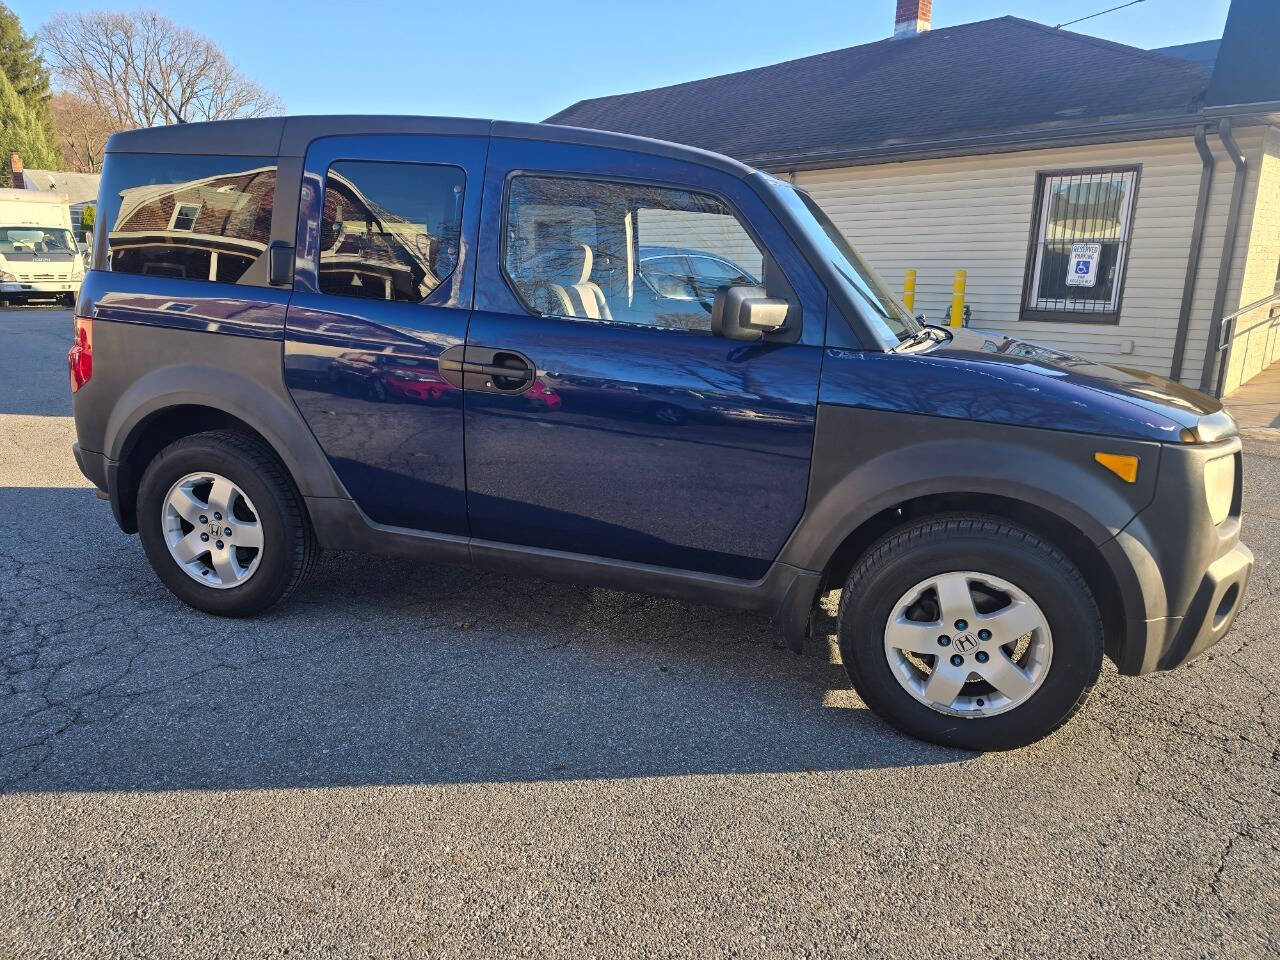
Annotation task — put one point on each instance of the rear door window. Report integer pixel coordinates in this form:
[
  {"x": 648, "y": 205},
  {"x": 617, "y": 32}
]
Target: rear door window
[
  {"x": 389, "y": 231},
  {"x": 188, "y": 217}
]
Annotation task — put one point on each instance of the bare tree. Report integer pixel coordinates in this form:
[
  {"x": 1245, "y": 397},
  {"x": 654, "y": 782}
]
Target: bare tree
[
  {"x": 82, "y": 131},
  {"x": 111, "y": 60}
]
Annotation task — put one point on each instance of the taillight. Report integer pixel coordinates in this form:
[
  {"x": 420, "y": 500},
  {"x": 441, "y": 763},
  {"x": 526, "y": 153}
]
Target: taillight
[{"x": 80, "y": 356}]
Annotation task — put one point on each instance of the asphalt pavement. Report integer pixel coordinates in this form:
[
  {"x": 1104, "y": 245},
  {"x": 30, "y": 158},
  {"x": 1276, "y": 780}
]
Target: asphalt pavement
[{"x": 412, "y": 760}]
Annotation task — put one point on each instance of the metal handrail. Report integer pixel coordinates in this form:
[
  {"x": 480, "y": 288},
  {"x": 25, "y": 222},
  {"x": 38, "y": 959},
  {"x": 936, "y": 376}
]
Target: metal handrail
[
  {"x": 1227, "y": 333},
  {"x": 1274, "y": 298}
]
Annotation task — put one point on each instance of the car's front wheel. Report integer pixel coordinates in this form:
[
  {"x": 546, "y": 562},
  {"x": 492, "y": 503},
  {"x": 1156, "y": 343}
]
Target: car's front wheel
[
  {"x": 223, "y": 525},
  {"x": 970, "y": 632}
]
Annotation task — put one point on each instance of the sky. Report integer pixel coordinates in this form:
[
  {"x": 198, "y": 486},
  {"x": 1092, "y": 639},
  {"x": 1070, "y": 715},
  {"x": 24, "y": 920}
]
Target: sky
[{"x": 524, "y": 61}]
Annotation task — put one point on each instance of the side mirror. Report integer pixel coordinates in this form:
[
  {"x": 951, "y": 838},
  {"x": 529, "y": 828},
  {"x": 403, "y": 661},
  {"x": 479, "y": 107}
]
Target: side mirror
[
  {"x": 747, "y": 313},
  {"x": 280, "y": 264}
]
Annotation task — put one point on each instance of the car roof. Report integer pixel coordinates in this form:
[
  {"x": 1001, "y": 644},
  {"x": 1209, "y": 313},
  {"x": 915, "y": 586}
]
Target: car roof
[{"x": 290, "y": 137}]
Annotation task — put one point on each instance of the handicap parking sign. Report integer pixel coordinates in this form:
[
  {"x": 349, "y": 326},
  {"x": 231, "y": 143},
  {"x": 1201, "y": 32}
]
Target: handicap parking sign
[{"x": 1082, "y": 269}]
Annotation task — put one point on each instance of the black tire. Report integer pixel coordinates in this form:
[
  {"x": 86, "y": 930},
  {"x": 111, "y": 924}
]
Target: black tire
[
  {"x": 944, "y": 544},
  {"x": 289, "y": 545}
]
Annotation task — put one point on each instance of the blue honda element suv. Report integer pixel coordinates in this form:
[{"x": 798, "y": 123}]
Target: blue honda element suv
[{"x": 588, "y": 356}]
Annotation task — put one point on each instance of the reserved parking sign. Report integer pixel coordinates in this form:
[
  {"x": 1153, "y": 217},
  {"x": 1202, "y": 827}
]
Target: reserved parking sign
[{"x": 1082, "y": 270}]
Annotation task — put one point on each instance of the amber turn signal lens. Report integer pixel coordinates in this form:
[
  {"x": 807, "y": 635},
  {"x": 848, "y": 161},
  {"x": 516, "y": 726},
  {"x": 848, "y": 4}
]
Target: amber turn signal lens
[{"x": 1122, "y": 465}]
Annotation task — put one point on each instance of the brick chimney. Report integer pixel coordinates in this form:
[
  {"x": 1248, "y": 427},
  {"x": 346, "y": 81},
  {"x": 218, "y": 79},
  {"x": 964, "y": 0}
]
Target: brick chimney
[
  {"x": 912, "y": 18},
  {"x": 15, "y": 167}
]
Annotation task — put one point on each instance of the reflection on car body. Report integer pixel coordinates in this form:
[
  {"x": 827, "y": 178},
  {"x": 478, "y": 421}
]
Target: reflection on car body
[
  {"x": 672, "y": 277},
  {"x": 380, "y": 376}
]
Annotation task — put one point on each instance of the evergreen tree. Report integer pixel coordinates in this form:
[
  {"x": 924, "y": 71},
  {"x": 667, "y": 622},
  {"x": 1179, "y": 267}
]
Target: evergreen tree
[
  {"x": 21, "y": 133},
  {"x": 21, "y": 63}
]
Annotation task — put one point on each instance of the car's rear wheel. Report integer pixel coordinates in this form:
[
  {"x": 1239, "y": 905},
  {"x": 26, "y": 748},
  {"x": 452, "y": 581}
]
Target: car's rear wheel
[
  {"x": 223, "y": 525},
  {"x": 970, "y": 632}
]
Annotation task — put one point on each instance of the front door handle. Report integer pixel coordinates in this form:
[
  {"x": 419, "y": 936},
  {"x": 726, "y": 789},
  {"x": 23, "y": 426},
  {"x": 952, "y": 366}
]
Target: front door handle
[{"x": 487, "y": 368}]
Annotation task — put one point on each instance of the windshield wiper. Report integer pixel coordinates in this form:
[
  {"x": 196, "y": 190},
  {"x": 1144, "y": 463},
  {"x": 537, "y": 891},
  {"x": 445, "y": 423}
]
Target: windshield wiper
[
  {"x": 915, "y": 338},
  {"x": 925, "y": 333}
]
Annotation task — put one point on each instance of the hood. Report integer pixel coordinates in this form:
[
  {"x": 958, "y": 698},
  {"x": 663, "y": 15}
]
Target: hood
[
  {"x": 983, "y": 376},
  {"x": 1164, "y": 403}
]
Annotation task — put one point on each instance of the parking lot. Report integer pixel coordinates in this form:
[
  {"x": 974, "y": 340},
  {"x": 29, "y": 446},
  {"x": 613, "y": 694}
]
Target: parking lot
[{"x": 424, "y": 761}]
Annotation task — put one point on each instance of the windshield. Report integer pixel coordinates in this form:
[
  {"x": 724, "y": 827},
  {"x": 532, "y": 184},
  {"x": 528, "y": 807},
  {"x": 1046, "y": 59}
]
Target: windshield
[
  {"x": 35, "y": 240},
  {"x": 878, "y": 303}
]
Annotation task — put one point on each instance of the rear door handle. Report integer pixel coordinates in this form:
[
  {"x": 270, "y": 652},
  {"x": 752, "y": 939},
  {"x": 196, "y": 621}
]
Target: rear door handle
[
  {"x": 450, "y": 364},
  {"x": 487, "y": 368},
  {"x": 493, "y": 370}
]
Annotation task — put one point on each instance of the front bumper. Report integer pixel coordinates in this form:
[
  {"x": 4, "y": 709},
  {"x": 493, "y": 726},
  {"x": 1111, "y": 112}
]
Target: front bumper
[
  {"x": 1181, "y": 577},
  {"x": 40, "y": 288},
  {"x": 1213, "y": 608}
]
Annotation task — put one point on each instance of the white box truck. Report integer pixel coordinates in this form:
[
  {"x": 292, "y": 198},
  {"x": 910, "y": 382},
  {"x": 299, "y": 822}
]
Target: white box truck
[{"x": 39, "y": 259}]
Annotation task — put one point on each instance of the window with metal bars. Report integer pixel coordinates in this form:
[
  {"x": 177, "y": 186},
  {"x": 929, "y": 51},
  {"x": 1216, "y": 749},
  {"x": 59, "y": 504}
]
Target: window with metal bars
[{"x": 1079, "y": 245}]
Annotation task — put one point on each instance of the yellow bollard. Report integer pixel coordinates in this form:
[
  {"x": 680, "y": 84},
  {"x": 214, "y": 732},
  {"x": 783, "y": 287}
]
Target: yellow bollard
[
  {"x": 957, "y": 299},
  {"x": 909, "y": 292}
]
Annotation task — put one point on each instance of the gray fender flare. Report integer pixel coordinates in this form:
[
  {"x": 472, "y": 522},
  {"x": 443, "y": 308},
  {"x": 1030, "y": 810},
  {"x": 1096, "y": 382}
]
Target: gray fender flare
[
  {"x": 270, "y": 414},
  {"x": 1057, "y": 474}
]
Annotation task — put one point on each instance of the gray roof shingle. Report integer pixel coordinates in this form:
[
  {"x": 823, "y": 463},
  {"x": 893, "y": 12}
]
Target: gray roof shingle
[
  {"x": 991, "y": 77},
  {"x": 77, "y": 187}
]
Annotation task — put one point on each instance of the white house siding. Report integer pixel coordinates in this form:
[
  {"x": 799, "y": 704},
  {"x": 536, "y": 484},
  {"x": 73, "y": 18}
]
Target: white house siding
[
  {"x": 975, "y": 213},
  {"x": 1256, "y": 342}
]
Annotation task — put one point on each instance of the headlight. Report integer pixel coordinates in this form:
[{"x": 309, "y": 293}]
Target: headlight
[
  {"x": 1220, "y": 486},
  {"x": 77, "y": 268},
  {"x": 7, "y": 277}
]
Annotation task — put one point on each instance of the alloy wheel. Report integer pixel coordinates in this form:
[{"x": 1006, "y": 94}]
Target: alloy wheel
[
  {"x": 212, "y": 530},
  {"x": 968, "y": 644}
]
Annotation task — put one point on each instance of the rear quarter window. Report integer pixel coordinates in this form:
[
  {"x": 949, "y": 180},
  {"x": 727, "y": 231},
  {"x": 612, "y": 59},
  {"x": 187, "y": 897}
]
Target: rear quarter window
[{"x": 187, "y": 217}]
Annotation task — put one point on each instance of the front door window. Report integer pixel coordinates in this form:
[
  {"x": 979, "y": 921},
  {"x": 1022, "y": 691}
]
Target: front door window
[{"x": 625, "y": 253}]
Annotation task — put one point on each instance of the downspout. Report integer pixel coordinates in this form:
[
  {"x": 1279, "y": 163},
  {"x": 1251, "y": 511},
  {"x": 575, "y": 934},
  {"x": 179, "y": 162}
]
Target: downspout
[
  {"x": 1228, "y": 251},
  {"x": 1197, "y": 246}
]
